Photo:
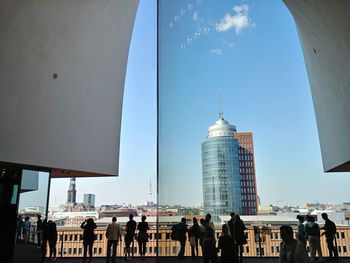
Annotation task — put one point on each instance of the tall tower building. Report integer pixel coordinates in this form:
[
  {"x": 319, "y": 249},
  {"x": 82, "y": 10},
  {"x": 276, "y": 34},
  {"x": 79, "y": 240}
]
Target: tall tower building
[
  {"x": 247, "y": 173},
  {"x": 89, "y": 199},
  {"x": 72, "y": 192},
  {"x": 220, "y": 168}
]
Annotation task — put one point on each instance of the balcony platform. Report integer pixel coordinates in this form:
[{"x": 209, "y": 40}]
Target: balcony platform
[
  {"x": 31, "y": 254},
  {"x": 174, "y": 259}
]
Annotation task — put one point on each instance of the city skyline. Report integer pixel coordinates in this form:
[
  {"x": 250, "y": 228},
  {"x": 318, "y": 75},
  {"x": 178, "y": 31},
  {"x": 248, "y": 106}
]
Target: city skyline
[{"x": 259, "y": 67}]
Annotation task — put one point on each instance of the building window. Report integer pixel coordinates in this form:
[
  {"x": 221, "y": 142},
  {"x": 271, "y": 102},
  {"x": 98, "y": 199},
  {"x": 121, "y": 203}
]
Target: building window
[
  {"x": 247, "y": 249},
  {"x": 74, "y": 251},
  {"x": 344, "y": 249},
  {"x": 342, "y": 235},
  {"x": 272, "y": 250},
  {"x": 95, "y": 250},
  {"x": 100, "y": 250}
]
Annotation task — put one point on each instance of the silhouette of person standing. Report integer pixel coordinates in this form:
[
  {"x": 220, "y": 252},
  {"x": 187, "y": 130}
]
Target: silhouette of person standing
[
  {"x": 193, "y": 235},
  {"x": 201, "y": 233},
  {"x": 291, "y": 250},
  {"x": 209, "y": 244},
  {"x": 130, "y": 229},
  {"x": 226, "y": 245},
  {"x": 181, "y": 229},
  {"x": 312, "y": 233},
  {"x": 239, "y": 235},
  {"x": 231, "y": 225},
  {"x": 39, "y": 229},
  {"x": 26, "y": 229},
  {"x": 44, "y": 240},
  {"x": 89, "y": 227},
  {"x": 329, "y": 231},
  {"x": 113, "y": 234},
  {"x": 142, "y": 236},
  {"x": 52, "y": 239},
  {"x": 19, "y": 228},
  {"x": 301, "y": 229}
]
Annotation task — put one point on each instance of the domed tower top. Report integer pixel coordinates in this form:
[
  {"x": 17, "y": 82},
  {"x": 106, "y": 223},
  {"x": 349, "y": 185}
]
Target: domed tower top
[{"x": 221, "y": 128}]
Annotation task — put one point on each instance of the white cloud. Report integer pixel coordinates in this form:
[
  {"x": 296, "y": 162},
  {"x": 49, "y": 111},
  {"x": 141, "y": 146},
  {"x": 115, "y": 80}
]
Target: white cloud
[
  {"x": 195, "y": 16},
  {"x": 238, "y": 21},
  {"x": 216, "y": 51},
  {"x": 241, "y": 8}
]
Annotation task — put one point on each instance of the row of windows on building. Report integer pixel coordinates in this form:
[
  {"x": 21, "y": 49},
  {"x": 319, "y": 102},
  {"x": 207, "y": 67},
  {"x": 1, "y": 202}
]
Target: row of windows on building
[
  {"x": 249, "y": 210},
  {"x": 246, "y": 164},
  {"x": 246, "y": 204},
  {"x": 248, "y": 190},
  {"x": 98, "y": 251},
  {"x": 248, "y": 157},
  {"x": 248, "y": 197},
  {"x": 247, "y": 177},
  {"x": 246, "y": 145},
  {"x": 246, "y": 170},
  {"x": 99, "y": 237},
  {"x": 244, "y": 137},
  {"x": 244, "y": 151},
  {"x": 276, "y": 249},
  {"x": 248, "y": 183},
  {"x": 276, "y": 235},
  {"x": 154, "y": 236},
  {"x": 175, "y": 250}
]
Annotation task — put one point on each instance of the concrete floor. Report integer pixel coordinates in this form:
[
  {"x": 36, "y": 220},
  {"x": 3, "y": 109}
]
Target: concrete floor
[{"x": 31, "y": 254}]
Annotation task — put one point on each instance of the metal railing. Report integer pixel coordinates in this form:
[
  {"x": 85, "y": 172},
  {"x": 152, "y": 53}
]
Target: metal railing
[{"x": 260, "y": 243}]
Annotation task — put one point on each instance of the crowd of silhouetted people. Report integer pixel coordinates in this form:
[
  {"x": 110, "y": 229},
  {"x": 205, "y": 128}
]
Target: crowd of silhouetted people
[
  {"x": 201, "y": 234},
  {"x": 309, "y": 232},
  {"x": 230, "y": 243}
]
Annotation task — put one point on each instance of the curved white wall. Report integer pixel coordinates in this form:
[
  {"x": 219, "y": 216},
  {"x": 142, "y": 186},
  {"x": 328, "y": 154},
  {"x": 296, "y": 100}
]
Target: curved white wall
[
  {"x": 324, "y": 30},
  {"x": 62, "y": 71}
]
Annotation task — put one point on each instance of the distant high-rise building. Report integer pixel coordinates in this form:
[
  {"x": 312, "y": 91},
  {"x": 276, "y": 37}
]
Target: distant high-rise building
[
  {"x": 220, "y": 167},
  {"x": 228, "y": 165},
  {"x": 72, "y": 192},
  {"x": 247, "y": 173},
  {"x": 89, "y": 199}
]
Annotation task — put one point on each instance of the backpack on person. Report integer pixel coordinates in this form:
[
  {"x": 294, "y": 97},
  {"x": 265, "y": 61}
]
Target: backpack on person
[{"x": 314, "y": 230}]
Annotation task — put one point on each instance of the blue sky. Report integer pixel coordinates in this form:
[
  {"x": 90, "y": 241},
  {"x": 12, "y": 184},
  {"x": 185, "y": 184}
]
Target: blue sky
[{"x": 248, "y": 50}]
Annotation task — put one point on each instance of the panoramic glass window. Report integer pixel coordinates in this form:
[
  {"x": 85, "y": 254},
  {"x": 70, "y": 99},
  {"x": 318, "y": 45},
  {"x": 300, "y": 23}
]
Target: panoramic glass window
[
  {"x": 163, "y": 129},
  {"x": 237, "y": 129}
]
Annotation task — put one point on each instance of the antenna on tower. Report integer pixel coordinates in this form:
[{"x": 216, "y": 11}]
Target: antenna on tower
[
  {"x": 221, "y": 113},
  {"x": 150, "y": 193}
]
